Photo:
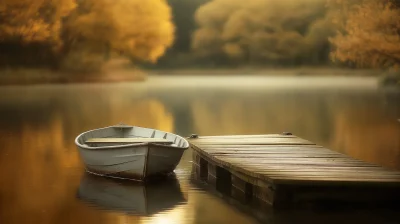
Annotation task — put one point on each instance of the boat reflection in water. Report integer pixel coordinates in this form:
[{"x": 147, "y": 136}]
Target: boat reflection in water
[{"x": 131, "y": 197}]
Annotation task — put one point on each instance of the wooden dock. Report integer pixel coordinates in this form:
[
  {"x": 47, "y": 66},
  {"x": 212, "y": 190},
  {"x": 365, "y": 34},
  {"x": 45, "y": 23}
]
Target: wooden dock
[{"x": 286, "y": 171}]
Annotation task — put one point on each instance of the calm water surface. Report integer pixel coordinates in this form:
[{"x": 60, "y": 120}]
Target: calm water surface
[{"x": 42, "y": 178}]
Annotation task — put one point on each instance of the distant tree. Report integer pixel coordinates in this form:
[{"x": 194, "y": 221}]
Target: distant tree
[
  {"x": 30, "y": 32},
  {"x": 263, "y": 33},
  {"x": 82, "y": 34},
  {"x": 369, "y": 33},
  {"x": 140, "y": 30},
  {"x": 30, "y": 21}
]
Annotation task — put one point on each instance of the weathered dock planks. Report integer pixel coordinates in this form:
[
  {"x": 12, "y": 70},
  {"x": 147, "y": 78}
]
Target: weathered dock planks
[{"x": 286, "y": 171}]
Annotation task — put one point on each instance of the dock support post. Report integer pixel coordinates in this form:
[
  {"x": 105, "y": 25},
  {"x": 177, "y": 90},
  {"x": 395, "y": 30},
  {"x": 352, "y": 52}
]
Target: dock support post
[
  {"x": 241, "y": 190},
  {"x": 203, "y": 169},
  {"x": 212, "y": 174},
  {"x": 224, "y": 180},
  {"x": 200, "y": 167}
]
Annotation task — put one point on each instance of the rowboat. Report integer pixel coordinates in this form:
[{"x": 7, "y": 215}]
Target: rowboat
[
  {"x": 130, "y": 197},
  {"x": 130, "y": 152}
]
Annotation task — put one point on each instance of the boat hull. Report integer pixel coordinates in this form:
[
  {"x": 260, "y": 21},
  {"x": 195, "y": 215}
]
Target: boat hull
[
  {"x": 138, "y": 163},
  {"x": 131, "y": 161}
]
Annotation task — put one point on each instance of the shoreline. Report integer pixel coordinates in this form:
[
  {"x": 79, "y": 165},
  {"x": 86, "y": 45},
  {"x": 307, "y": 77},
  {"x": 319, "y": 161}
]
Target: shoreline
[
  {"x": 37, "y": 76},
  {"x": 300, "y": 71},
  {"x": 43, "y": 76}
]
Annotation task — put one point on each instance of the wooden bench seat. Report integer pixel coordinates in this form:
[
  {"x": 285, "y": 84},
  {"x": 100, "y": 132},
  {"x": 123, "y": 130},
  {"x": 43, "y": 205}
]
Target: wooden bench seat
[{"x": 128, "y": 140}]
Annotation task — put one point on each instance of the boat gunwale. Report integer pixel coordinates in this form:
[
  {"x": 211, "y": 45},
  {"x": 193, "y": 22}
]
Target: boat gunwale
[{"x": 128, "y": 145}]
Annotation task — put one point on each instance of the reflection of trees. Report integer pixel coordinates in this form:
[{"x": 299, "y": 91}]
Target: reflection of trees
[
  {"x": 41, "y": 168},
  {"x": 40, "y": 174},
  {"x": 367, "y": 132},
  {"x": 305, "y": 116},
  {"x": 355, "y": 124},
  {"x": 148, "y": 113}
]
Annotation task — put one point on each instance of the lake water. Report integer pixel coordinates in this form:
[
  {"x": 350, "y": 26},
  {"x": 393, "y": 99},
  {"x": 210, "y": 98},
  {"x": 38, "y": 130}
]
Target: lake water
[{"x": 42, "y": 176}]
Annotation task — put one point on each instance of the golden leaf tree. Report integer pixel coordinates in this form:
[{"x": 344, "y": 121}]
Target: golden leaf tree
[
  {"x": 137, "y": 29},
  {"x": 81, "y": 34},
  {"x": 369, "y": 34},
  {"x": 30, "y": 21}
]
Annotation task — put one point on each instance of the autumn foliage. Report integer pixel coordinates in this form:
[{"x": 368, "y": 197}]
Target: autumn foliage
[
  {"x": 33, "y": 21},
  {"x": 137, "y": 29},
  {"x": 363, "y": 33},
  {"x": 369, "y": 33},
  {"x": 287, "y": 32},
  {"x": 83, "y": 33}
]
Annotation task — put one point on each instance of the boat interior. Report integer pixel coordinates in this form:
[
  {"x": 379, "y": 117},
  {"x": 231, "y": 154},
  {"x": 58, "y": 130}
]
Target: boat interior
[{"x": 124, "y": 134}]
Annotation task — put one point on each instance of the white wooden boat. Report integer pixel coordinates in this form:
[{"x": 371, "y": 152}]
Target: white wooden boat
[
  {"x": 130, "y": 152},
  {"x": 130, "y": 197}
]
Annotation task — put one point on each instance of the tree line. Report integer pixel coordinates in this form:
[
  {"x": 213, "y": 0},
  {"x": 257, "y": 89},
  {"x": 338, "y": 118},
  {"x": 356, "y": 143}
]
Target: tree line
[{"x": 81, "y": 35}]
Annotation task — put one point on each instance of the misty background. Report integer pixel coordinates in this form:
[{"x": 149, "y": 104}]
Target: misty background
[{"x": 234, "y": 33}]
